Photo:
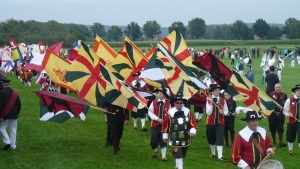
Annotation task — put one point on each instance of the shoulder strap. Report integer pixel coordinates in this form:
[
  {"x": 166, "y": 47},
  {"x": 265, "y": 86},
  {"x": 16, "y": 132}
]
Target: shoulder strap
[{"x": 9, "y": 104}]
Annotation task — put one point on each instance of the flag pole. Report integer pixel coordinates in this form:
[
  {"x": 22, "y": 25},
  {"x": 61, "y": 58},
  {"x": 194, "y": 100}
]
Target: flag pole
[{"x": 98, "y": 108}]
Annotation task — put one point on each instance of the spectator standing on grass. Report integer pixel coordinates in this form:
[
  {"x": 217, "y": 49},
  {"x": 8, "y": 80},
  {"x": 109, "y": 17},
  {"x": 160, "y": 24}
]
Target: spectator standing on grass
[
  {"x": 271, "y": 80},
  {"x": 249, "y": 74}
]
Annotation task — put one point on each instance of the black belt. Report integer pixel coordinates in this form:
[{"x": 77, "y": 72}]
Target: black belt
[{"x": 279, "y": 69}]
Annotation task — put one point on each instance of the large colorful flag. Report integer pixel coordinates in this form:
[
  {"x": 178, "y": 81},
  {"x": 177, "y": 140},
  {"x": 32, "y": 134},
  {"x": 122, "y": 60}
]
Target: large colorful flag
[
  {"x": 16, "y": 55},
  {"x": 150, "y": 53},
  {"x": 124, "y": 67},
  {"x": 215, "y": 67},
  {"x": 58, "y": 107},
  {"x": 176, "y": 45},
  {"x": 86, "y": 73},
  {"x": 245, "y": 91},
  {"x": 126, "y": 39},
  {"x": 152, "y": 73},
  {"x": 56, "y": 68},
  {"x": 7, "y": 62},
  {"x": 136, "y": 58},
  {"x": 193, "y": 78},
  {"x": 177, "y": 80},
  {"x": 103, "y": 50}
]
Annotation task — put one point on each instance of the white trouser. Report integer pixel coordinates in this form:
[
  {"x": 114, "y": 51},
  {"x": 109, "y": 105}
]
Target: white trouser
[
  {"x": 279, "y": 74},
  {"x": 293, "y": 63},
  {"x": 12, "y": 123}
]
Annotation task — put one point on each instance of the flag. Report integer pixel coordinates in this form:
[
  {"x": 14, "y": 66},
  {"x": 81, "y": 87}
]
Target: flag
[
  {"x": 95, "y": 83},
  {"x": 124, "y": 67},
  {"x": 72, "y": 54},
  {"x": 193, "y": 78},
  {"x": 126, "y": 39},
  {"x": 58, "y": 107},
  {"x": 7, "y": 62},
  {"x": 245, "y": 91},
  {"x": 199, "y": 99},
  {"x": 13, "y": 43},
  {"x": 135, "y": 57},
  {"x": 56, "y": 68},
  {"x": 215, "y": 67},
  {"x": 177, "y": 80},
  {"x": 176, "y": 45},
  {"x": 16, "y": 55},
  {"x": 152, "y": 73},
  {"x": 56, "y": 48},
  {"x": 103, "y": 50}
]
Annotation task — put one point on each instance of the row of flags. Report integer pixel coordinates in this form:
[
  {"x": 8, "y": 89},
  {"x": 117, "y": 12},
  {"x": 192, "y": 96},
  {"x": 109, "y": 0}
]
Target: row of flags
[{"x": 101, "y": 75}]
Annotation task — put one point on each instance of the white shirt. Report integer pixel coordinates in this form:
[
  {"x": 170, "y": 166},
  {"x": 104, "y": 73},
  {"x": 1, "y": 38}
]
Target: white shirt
[
  {"x": 151, "y": 110},
  {"x": 209, "y": 107},
  {"x": 286, "y": 106}
]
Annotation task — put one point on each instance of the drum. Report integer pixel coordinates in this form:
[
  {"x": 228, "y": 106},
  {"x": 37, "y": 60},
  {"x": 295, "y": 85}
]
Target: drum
[{"x": 270, "y": 164}]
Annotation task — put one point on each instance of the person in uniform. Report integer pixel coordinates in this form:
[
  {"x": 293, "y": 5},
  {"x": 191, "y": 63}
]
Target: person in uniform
[
  {"x": 251, "y": 145},
  {"x": 216, "y": 109},
  {"x": 116, "y": 123},
  {"x": 276, "y": 119},
  {"x": 179, "y": 126},
  {"x": 271, "y": 80},
  {"x": 240, "y": 66},
  {"x": 292, "y": 111},
  {"x": 139, "y": 84},
  {"x": 158, "y": 110},
  {"x": 229, "y": 118},
  {"x": 10, "y": 107},
  {"x": 279, "y": 68}
]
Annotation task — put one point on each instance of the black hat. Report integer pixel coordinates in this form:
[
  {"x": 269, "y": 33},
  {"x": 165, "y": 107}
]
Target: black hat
[
  {"x": 4, "y": 80},
  {"x": 165, "y": 91},
  {"x": 251, "y": 115},
  {"x": 178, "y": 97},
  {"x": 295, "y": 88},
  {"x": 212, "y": 87},
  {"x": 136, "y": 74}
]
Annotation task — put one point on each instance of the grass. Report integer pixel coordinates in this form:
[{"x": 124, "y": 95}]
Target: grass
[{"x": 79, "y": 144}]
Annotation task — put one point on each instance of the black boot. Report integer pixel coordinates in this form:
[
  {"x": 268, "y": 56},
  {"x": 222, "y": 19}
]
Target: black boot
[
  {"x": 280, "y": 136},
  {"x": 115, "y": 146}
]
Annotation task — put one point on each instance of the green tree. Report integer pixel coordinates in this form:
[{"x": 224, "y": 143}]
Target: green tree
[
  {"x": 178, "y": 25},
  {"x": 274, "y": 33},
  {"x": 261, "y": 28},
  {"x": 98, "y": 29},
  {"x": 291, "y": 28},
  {"x": 79, "y": 36},
  {"x": 133, "y": 30},
  {"x": 241, "y": 31},
  {"x": 151, "y": 29},
  {"x": 196, "y": 27},
  {"x": 114, "y": 33}
]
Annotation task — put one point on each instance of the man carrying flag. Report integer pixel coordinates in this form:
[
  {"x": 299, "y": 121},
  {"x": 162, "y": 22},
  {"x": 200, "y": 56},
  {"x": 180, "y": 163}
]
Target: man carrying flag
[
  {"x": 216, "y": 109},
  {"x": 158, "y": 110},
  {"x": 139, "y": 84},
  {"x": 116, "y": 117}
]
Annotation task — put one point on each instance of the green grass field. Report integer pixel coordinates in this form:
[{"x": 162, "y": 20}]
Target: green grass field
[{"x": 78, "y": 144}]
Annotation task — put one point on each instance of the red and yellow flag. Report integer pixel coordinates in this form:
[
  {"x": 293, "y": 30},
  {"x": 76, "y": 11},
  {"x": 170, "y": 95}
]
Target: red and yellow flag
[
  {"x": 56, "y": 68},
  {"x": 103, "y": 50}
]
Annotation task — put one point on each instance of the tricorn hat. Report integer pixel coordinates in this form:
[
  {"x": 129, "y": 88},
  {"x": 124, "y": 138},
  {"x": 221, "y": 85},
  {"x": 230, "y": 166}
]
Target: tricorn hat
[
  {"x": 212, "y": 87},
  {"x": 178, "y": 97},
  {"x": 251, "y": 115},
  {"x": 295, "y": 88},
  {"x": 165, "y": 91}
]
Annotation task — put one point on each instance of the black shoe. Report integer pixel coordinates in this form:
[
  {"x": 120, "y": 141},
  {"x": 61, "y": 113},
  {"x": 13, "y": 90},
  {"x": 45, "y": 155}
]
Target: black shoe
[
  {"x": 197, "y": 121},
  {"x": 115, "y": 153},
  {"x": 282, "y": 144},
  {"x": 290, "y": 153},
  {"x": 154, "y": 155},
  {"x": 6, "y": 147},
  {"x": 212, "y": 156},
  {"x": 144, "y": 129},
  {"x": 222, "y": 159}
]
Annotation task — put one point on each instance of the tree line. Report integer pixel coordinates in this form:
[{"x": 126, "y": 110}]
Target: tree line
[{"x": 51, "y": 32}]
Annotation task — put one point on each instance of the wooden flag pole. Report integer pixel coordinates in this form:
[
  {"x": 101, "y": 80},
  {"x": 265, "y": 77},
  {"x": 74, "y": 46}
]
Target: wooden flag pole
[{"x": 98, "y": 108}]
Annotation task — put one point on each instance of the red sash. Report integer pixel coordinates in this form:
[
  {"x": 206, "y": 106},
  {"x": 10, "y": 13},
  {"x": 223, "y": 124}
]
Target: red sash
[{"x": 9, "y": 105}]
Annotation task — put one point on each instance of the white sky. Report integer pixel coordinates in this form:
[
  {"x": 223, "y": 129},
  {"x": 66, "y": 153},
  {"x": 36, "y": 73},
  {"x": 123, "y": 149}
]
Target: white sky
[{"x": 165, "y": 12}]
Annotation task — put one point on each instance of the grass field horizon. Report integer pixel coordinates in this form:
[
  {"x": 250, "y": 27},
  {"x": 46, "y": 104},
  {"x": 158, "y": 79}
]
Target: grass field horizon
[{"x": 78, "y": 144}]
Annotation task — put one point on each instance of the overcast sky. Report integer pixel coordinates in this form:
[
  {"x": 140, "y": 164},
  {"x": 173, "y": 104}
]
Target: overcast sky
[{"x": 165, "y": 12}]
